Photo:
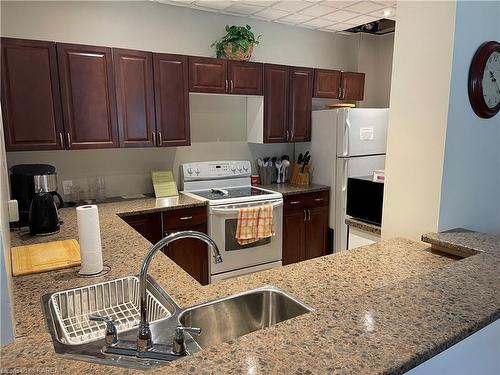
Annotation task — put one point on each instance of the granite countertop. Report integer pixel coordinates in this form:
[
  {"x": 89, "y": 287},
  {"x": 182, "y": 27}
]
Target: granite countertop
[
  {"x": 290, "y": 189},
  {"x": 382, "y": 308},
  {"x": 362, "y": 225}
]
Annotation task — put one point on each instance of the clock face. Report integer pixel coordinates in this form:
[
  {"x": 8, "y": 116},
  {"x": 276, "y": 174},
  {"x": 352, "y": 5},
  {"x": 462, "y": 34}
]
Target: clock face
[{"x": 491, "y": 80}]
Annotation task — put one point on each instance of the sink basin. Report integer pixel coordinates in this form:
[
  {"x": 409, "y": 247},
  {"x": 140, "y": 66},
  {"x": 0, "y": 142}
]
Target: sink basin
[{"x": 235, "y": 316}]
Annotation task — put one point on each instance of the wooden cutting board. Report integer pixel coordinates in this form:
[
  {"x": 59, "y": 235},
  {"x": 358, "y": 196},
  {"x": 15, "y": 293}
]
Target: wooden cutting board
[{"x": 45, "y": 257}]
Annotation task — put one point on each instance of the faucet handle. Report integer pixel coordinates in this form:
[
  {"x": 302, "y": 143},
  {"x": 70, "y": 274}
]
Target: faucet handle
[
  {"x": 111, "y": 336},
  {"x": 179, "y": 345}
]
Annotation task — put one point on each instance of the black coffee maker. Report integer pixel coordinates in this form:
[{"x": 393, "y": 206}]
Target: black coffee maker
[{"x": 34, "y": 186}]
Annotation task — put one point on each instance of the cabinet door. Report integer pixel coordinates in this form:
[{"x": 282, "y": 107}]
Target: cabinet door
[
  {"x": 190, "y": 254},
  {"x": 275, "y": 103},
  {"x": 353, "y": 85},
  {"x": 31, "y": 104},
  {"x": 326, "y": 83},
  {"x": 301, "y": 88},
  {"x": 171, "y": 99},
  {"x": 294, "y": 239},
  {"x": 88, "y": 96},
  {"x": 316, "y": 232},
  {"x": 134, "y": 97},
  {"x": 148, "y": 225},
  {"x": 245, "y": 78},
  {"x": 208, "y": 75}
]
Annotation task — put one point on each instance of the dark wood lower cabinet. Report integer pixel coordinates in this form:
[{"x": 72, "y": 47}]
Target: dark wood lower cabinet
[
  {"x": 148, "y": 225},
  {"x": 190, "y": 254},
  {"x": 305, "y": 226}
]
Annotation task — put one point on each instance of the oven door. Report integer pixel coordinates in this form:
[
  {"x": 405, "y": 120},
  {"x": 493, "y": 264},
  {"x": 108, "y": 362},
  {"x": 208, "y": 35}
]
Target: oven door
[{"x": 222, "y": 224}]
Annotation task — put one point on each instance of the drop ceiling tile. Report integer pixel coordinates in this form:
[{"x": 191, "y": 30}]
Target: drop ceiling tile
[
  {"x": 271, "y": 14},
  {"x": 339, "y": 27},
  {"x": 244, "y": 8},
  {"x": 316, "y": 10},
  {"x": 262, "y": 3},
  {"x": 340, "y": 15},
  {"x": 296, "y": 18},
  {"x": 384, "y": 13},
  {"x": 361, "y": 20},
  {"x": 365, "y": 7},
  {"x": 318, "y": 22},
  {"x": 338, "y": 3},
  {"x": 291, "y": 6},
  {"x": 212, "y": 4}
]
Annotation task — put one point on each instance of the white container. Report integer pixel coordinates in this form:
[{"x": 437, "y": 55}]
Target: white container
[{"x": 89, "y": 237}]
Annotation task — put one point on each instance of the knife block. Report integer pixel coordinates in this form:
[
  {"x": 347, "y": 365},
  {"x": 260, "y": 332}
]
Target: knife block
[{"x": 299, "y": 178}]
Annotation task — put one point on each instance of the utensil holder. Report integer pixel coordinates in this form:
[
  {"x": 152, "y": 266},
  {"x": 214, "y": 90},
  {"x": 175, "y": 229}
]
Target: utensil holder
[
  {"x": 299, "y": 178},
  {"x": 268, "y": 175}
]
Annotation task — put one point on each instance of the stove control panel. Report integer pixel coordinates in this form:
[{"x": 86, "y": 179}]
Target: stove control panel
[{"x": 209, "y": 170}]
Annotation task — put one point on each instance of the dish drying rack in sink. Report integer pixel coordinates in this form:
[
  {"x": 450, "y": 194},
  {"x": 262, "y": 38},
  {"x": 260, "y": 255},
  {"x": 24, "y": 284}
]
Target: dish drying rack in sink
[{"x": 118, "y": 299}]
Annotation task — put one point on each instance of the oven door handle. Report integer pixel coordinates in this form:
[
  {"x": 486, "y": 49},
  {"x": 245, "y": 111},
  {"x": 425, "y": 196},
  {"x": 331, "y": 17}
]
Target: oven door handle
[{"x": 235, "y": 210}]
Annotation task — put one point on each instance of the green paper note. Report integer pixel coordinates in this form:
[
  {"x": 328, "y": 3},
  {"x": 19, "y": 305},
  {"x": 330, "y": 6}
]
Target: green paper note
[{"x": 164, "y": 184}]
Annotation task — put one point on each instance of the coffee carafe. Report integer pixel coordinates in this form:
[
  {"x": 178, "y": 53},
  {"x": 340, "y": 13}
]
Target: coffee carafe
[{"x": 43, "y": 215}]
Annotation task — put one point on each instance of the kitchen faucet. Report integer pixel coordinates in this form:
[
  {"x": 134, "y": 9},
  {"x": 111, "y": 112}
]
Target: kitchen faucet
[{"x": 144, "y": 346}]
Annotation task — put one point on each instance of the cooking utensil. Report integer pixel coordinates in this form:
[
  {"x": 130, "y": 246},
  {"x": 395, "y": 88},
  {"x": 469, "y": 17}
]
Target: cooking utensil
[
  {"x": 277, "y": 163},
  {"x": 285, "y": 164},
  {"x": 301, "y": 157},
  {"x": 306, "y": 161}
]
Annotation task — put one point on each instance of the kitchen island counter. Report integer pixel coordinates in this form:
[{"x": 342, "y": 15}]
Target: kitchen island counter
[{"x": 382, "y": 308}]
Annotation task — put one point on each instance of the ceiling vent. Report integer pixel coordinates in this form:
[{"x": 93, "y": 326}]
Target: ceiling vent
[{"x": 380, "y": 27}]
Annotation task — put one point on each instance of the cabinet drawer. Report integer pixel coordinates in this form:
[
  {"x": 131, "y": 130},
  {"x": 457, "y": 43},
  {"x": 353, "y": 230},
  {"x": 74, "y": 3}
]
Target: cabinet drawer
[
  {"x": 306, "y": 200},
  {"x": 184, "y": 218}
]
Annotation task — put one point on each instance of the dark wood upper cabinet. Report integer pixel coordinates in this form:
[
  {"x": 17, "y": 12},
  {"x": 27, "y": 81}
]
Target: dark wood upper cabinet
[
  {"x": 245, "y": 78},
  {"x": 88, "y": 96},
  {"x": 207, "y": 74},
  {"x": 353, "y": 86},
  {"x": 301, "y": 89},
  {"x": 171, "y": 99},
  {"x": 31, "y": 103},
  {"x": 276, "y": 100},
  {"x": 326, "y": 83},
  {"x": 135, "y": 97}
]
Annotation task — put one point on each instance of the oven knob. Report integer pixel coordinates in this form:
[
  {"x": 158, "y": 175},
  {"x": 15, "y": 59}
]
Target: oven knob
[
  {"x": 190, "y": 170},
  {"x": 197, "y": 171},
  {"x": 233, "y": 167},
  {"x": 245, "y": 167},
  {"x": 239, "y": 168}
]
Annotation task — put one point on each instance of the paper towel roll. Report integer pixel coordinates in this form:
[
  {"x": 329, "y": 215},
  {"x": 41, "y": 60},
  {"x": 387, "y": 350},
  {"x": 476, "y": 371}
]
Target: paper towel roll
[{"x": 89, "y": 237}]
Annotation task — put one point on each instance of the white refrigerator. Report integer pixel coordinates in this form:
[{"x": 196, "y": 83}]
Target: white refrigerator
[{"x": 346, "y": 143}]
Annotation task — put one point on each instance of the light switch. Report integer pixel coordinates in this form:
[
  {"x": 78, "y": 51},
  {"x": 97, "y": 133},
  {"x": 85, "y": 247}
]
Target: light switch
[
  {"x": 67, "y": 185},
  {"x": 13, "y": 210}
]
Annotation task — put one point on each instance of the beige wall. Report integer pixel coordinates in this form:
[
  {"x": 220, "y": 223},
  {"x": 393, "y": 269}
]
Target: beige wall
[
  {"x": 218, "y": 123},
  {"x": 375, "y": 60},
  {"x": 418, "y": 118}
]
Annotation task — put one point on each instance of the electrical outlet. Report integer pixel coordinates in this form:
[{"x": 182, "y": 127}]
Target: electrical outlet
[{"x": 67, "y": 185}]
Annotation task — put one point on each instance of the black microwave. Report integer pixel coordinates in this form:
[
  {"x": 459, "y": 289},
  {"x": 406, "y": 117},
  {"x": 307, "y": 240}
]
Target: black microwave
[{"x": 365, "y": 199}]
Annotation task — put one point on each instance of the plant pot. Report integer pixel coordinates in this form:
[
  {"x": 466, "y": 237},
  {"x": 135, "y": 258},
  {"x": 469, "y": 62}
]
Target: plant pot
[{"x": 239, "y": 54}]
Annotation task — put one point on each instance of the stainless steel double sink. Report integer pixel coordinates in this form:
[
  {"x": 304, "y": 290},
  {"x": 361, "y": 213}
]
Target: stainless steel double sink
[{"x": 220, "y": 320}]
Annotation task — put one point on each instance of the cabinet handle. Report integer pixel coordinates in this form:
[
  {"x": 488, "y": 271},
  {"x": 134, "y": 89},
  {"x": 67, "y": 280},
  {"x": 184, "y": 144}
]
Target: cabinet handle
[
  {"x": 232, "y": 87},
  {"x": 160, "y": 140},
  {"x": 226, "y": 86},
  {"x": 287, "y": 134},
  {"x": 291, "y": 134},
  {"x": 305, "y": 215},
  {"x": 154, "y": 137},
  {"x": 294, "y": 202},
  {"x": 340, "y": 93},
  {"x": 68, "y": 136},
  {"x": 343, "y": 92},
  {"x": 308, "y": 215},
  {"x": 318, "y": 199},
  {"x": 61, "y": 139},
  {"x": 186, "y": 218}
]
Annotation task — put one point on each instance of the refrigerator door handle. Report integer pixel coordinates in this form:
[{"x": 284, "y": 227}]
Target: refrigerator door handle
[
  {"x": 347, "y": 130},
  {"x": 344, "y": 175}
]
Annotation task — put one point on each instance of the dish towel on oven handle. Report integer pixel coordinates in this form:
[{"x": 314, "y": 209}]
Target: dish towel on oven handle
[{"x": 254, "y": 223}]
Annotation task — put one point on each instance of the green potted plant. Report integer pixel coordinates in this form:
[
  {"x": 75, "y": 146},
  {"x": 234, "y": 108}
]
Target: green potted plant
[{"x": 237, "y": 44}]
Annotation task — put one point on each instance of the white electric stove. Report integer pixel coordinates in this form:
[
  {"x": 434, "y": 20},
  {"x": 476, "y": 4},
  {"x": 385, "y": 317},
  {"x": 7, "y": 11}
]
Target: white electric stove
[{"x": 226, "y": 186}]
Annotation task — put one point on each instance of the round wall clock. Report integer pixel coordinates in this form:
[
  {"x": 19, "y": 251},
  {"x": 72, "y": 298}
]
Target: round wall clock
[{"x": 484, "y": 80}]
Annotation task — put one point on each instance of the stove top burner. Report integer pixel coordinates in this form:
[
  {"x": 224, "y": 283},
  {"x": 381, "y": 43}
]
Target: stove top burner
[{"x": 238, "y": 192}]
